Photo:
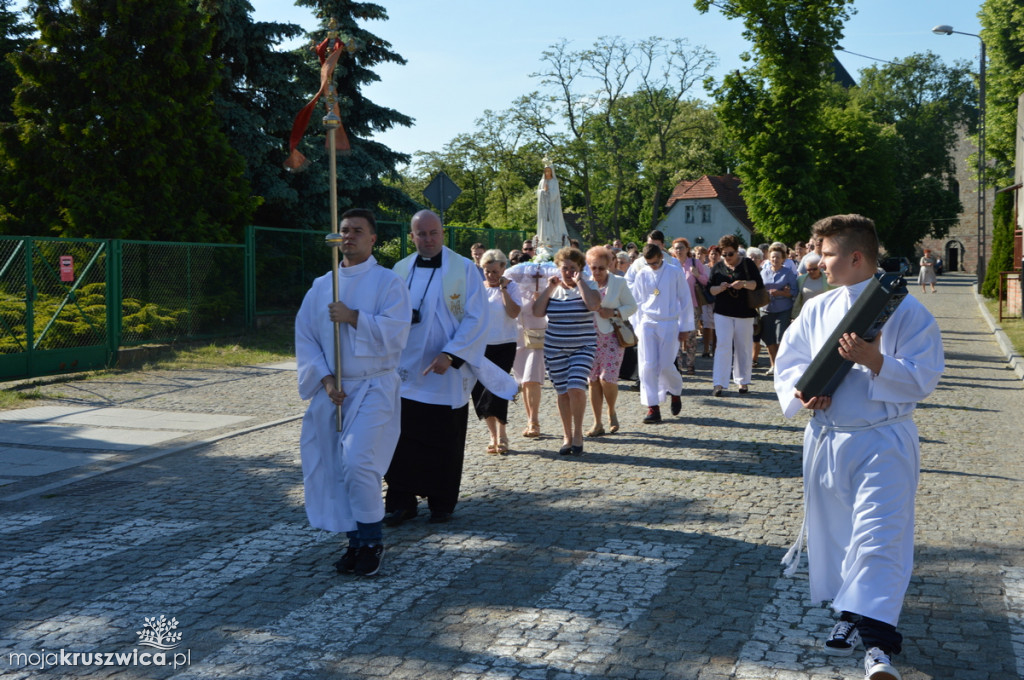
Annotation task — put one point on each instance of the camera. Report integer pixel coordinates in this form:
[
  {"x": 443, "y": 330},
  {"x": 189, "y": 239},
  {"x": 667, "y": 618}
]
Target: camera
[{"x": 415, "y": 316}]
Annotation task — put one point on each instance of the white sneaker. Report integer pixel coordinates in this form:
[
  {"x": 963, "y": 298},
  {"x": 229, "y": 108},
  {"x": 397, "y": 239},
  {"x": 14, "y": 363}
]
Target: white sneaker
[
  {"x": 843, "y": 639},
  {"x": 878, "y": 667}
]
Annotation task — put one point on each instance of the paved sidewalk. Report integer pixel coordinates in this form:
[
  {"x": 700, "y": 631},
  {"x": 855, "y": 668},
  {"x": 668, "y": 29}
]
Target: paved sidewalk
[{"x": 654, "y": 556}]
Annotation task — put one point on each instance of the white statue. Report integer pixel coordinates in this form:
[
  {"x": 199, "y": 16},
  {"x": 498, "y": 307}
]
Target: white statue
[{"x": 551, "y": 231}]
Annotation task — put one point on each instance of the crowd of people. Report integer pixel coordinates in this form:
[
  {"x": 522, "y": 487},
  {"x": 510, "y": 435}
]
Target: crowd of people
[{"x": 416, "y": 343}]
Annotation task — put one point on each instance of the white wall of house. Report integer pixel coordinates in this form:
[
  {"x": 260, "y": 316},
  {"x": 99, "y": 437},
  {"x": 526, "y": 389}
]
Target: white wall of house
[{"x": 701, "y": 221}]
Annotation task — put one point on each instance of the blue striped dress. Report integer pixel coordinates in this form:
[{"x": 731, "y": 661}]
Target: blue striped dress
[{"x": 570, "y": 342}]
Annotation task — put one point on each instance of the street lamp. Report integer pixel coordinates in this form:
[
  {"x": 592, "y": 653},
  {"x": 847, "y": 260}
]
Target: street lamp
[{"x": 948, "y": 30}]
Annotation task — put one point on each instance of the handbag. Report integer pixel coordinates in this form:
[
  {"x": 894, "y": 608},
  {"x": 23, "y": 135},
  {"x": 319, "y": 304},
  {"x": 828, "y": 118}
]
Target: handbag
[
  {"x": 758, "y": 298},
  {"x": 703, "y": 293},
  {"x": 533, "y": 338},
  {"x": 623, "y": 331}
]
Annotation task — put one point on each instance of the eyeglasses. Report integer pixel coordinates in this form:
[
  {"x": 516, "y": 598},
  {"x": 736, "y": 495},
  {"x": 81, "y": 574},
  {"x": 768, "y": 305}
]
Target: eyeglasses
[
  {"x": 729, "y": 254},
  {"x": 812, "y": 269}
]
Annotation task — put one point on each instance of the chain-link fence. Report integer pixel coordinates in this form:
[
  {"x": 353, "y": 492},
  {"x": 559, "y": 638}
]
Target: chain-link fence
[
  {"x": 180, "y": 290},
  {"x": 286, "y": 261},
  {"x": 69, "y": 304}
]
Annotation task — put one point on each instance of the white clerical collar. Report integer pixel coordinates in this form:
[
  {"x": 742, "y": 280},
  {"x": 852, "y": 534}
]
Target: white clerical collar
[
  {"x": 356, "y": 269},
  {"x": 855, "y": 289}
]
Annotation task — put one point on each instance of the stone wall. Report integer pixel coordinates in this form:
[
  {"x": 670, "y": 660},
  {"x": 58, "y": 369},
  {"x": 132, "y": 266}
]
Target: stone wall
[{"x": 960, "y": 246}]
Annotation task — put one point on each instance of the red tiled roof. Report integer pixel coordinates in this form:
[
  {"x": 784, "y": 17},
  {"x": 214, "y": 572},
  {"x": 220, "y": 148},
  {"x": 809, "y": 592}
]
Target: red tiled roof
[{"x": 726, "y": 188}]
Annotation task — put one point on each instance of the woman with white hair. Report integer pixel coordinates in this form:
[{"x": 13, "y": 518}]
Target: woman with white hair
[
  {"x": 810, "y": 283},
  {"x": 503, "y": 298}
]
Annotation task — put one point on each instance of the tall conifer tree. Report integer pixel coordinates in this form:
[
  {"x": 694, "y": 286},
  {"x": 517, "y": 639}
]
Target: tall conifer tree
[
  {"x": 115, "y": 132},
  {"x": 13, "y": 39},
  {"x": 259, "y": 94},
  {"x": 359, "y": 172}
]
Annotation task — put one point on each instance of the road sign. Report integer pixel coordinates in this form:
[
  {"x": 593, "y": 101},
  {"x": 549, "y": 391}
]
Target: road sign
[{"x": 442, "y": 191}]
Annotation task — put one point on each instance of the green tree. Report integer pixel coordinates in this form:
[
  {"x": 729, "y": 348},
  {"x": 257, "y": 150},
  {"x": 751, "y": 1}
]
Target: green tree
[
  {"x": 360, "y": 171},
  {"x": 926, "y": 103},
  {"x": 1002, "y": 29},
  {"x": 772, "y": 109},
  {"x": 14, "y": 34},
  {"x": 257, "y": 99},
  {"x": 115, "y": 136},
  {"x": 1003, "y": 227}
]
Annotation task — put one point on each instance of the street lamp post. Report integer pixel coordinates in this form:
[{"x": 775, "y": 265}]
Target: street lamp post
[{"x": 948, "y": 30}]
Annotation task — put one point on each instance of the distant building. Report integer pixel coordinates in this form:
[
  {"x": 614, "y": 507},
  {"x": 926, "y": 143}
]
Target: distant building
[
  {"x": 706, "y": 209},
  {"x": 959, "y": 248}
]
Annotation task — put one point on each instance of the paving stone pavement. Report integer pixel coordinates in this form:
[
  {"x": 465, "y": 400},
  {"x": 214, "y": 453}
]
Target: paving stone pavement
[{"x": 654, "y": 556}]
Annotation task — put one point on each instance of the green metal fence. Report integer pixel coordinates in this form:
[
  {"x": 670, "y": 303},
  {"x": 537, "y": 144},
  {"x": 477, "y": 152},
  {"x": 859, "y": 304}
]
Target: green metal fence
[
  {"x": 70, "y": 304},
  {"x": 284, "y": 262}
]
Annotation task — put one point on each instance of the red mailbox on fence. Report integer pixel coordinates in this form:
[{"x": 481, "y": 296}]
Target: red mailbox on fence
[{"x": 67, "y": 268}]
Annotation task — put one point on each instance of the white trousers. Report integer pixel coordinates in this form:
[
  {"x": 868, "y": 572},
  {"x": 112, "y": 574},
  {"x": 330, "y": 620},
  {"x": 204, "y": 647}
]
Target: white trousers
[
  {"x": 657, "y": 346},
  {"x": 734, "y": 346}
]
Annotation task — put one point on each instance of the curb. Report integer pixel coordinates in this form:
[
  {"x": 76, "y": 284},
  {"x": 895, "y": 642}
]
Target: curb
[
  {"x": 1012, "y": 356},
  {"x": 145, "y": 458}
]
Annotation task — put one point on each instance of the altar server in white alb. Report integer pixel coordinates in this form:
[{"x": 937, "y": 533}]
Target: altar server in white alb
[
  {"x": 663, "y": 320},
  {"x": 861, "y": 450},
  {"x": 342, "y": 471}
]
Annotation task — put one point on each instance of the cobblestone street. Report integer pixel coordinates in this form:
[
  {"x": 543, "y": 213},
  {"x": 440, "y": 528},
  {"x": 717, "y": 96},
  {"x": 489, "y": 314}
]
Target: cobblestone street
[{"x": 654, "y": 556}]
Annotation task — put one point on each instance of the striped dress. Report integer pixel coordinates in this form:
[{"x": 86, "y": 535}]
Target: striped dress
[{"x": 570, "y": 342}]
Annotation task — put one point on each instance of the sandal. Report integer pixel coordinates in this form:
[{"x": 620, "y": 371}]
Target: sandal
[
  {"x": 614, "y": 427},
  {"x": 716, "y": 392},
  {"x": 596, "y": 431},
  {"x": 492, "y": 449},
  {"x": 503, "y": 446},
  {"x": 532, "y": 430}
]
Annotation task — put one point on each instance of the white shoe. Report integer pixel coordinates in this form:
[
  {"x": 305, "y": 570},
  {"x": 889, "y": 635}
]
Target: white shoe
[{"x": 877, "y": 666}]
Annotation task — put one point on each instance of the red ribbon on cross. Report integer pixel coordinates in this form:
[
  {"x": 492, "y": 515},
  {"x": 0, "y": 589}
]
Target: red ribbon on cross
[{"x": 296, "y": 161}]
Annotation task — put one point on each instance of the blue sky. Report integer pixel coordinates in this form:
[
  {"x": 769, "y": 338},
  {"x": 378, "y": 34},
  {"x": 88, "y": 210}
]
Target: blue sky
[{"x": 466, "y": 56}]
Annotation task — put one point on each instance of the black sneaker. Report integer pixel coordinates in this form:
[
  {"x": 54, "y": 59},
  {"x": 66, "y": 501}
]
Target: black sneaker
[
  {"x": 653, "y": 415},
  {"x": 677, "y": 404},
  {"x": 369, "y": 559},
  {"x": 843, "y": 640},
  {"x": 347, "y": 563}
]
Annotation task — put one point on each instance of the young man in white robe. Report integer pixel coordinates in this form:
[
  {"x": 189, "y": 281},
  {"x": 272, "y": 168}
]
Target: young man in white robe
[
  {"x": 446, "y": 343},
  {"x": 861, "y": 450},
  {"x": 657, "y": 237},
  {"x": 343, "y": 471},
  {"x": 663, "y": 321}
]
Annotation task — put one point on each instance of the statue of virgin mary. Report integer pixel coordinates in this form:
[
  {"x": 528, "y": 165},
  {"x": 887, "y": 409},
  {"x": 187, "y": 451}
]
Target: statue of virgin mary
[{"x": 551, "y": 231}]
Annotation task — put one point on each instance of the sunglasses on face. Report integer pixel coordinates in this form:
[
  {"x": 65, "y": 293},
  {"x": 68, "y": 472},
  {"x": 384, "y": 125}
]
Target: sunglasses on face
[{"x": 729, "y": 254}]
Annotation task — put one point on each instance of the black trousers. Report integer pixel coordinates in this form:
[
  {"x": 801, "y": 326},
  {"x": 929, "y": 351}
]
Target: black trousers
[
  {"x": 428, "y": 459},
  {"x": 876, "y": 633}
]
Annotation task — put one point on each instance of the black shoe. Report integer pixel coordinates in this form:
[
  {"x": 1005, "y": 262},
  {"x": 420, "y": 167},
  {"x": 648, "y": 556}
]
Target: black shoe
[
  {"x": 677, "y": 404},
  {"x": 577, "y": 450},
  {"x": 653, "y": 415},
  {"x": 437, "y": 517},
  {"x": 565, "y": 450},
  {"x": 397, "y": 517},
  {"x": 347, "y": 563},
  {"x": 369, "y": 560}
]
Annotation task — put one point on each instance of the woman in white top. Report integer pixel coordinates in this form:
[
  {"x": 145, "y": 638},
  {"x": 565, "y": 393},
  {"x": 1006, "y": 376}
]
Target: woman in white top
[
  {"x": 616, "y": 300},
  {"x": 503, "y": 298}
]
